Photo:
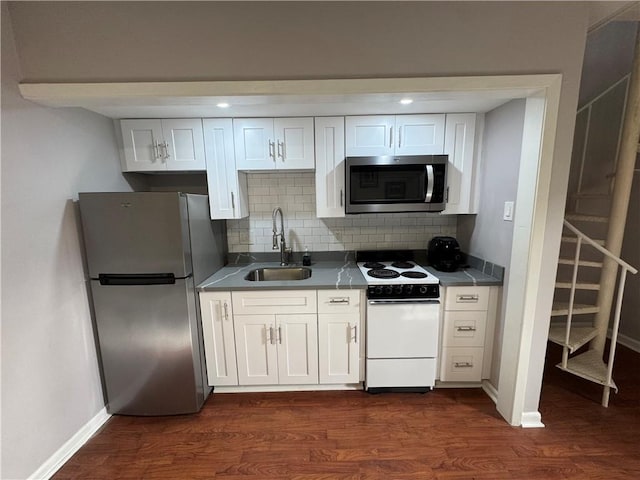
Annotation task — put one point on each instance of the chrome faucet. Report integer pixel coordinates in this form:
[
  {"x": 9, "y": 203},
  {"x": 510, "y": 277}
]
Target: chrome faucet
[{"x": 284, "y": 251}]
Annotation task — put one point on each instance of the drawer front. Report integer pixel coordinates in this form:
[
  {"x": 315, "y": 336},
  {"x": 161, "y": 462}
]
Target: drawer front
[
  {"x": 461, "y": 364},
  {"x": 401, "y": 372},
  {"x": 464, "y": 329},
  {"x": 466, "y": 298},
  {"x": 266, "y": 302},
  {"x": 339, "y": 301}
]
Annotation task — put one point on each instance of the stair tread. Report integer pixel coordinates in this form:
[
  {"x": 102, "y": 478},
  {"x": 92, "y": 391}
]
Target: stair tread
[
  {"x": 579, "y": 285},
  {"x": 578, "y": 336},
  {"x": 589, "y": 365},
  {"x": 582, "y": 263},
  {"x": 586, "y": 218},
  {"x": 562, "y": 308},
  {"x": 575, "y": 240}
]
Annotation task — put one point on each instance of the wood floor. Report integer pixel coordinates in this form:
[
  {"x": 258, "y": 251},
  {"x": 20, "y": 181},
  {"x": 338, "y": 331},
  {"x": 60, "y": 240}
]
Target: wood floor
[{"x": 445, "y": 434}]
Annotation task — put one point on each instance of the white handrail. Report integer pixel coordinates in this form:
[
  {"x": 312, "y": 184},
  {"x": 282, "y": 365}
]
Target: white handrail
[{"x": 601, "y": 249}]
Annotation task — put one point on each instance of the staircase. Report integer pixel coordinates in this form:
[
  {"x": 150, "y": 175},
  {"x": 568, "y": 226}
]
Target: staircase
[{"x": 577, "y": 328}]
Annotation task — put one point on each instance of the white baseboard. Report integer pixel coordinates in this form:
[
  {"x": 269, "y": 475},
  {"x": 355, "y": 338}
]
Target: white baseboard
[
  {"x": 287, "y": 388},
  {"x": 531, "y": 420},
  {"x": 490, "y": 390},
  {"x": 64, "y": 453}
]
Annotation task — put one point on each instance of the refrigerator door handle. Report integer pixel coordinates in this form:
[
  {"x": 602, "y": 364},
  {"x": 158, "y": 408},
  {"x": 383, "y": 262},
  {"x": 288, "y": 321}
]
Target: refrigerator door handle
[{"x": 112, "y": 279}]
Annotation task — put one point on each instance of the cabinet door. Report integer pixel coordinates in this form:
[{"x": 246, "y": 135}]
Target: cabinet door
[
  {"x": 255, "y": 143},
  {"x": 226, "y": 198},
  {"x": 184, "y": 144},
  {"x": 419, "y": 134},
  {"x": 294, "y": 143},
  {"x": 369, "y": 135},
  {"x": 256, "y": 349},
  {"x": 219, "y": 340},
  {"x": 338, "y": 348},
  {"x": 460, "y": 133},
  {"x": 141, "y": 140},
  {"x": 329, "y": 133},
  {"x": 297, "y": 349}
]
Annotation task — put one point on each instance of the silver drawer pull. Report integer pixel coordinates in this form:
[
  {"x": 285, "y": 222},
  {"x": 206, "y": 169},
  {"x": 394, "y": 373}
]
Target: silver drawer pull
[
  {"x": 467, "y": 298},
  {"x": 463, "y": 365},
  {"x": 466, "y": 329},
  {"x": 339, "y": 300}
]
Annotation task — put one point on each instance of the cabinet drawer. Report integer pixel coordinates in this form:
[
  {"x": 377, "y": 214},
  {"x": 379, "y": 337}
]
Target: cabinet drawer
[
  {"x": 466, "y": 298},
  {"x": 464, "y": 329},
  {"x": 266, "y": 302},
  {"x": 339, "y": 301},
  {"x": 461, "y": 364}
]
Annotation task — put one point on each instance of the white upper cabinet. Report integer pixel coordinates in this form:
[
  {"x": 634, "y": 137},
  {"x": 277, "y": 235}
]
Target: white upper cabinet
[
  {"x": 330, "y": 186},
  {"x": 274, "y": 143},
  {"x": 463, "y": 132},
  {"x": 228, "y": 194},
  {"x": 377, "y": 135},
  {"x": 163, "y": 145}
]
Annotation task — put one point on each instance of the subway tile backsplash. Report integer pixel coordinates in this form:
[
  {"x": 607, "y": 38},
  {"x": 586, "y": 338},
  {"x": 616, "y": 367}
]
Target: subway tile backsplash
[{"x": 295, "y": 194}]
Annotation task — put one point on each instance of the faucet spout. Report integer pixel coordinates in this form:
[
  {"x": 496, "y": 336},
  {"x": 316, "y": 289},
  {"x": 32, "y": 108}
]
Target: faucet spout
[{"x": 284, "y": 251}]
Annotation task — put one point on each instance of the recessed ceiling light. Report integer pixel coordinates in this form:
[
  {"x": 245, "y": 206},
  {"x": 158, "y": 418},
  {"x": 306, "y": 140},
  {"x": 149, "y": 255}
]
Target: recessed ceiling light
[
  {"x": 406, "y": 101},
  {"x": 223, "y": 105}
]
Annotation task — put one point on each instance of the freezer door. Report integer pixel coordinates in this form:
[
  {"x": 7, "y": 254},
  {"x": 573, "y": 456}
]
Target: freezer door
[
  {"x": 149, "y": 347},
  {"x": 136, "y": 232}
]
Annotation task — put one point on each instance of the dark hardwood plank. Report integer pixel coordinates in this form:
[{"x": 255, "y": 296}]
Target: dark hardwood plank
[{"x": 447, "y": 434}]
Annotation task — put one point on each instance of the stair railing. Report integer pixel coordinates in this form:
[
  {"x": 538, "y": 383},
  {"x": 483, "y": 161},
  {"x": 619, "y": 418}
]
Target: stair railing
[{"x": 624, "y": 268}]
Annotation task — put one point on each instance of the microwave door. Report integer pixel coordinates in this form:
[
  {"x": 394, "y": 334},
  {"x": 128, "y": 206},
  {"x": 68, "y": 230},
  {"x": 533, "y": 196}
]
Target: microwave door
[{"x": 430, "y": 181}]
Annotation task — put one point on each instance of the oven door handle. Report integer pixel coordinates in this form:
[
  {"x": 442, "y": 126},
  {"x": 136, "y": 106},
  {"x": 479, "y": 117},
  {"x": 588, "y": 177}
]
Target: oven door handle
[
  {"x": 430, "y": 183},
  {"x": 392, "y": 302}
]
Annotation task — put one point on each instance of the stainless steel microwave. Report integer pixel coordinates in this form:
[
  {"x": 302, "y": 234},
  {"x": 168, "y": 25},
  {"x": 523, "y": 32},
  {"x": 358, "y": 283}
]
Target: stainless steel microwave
[{"x": 413, "y": 183}]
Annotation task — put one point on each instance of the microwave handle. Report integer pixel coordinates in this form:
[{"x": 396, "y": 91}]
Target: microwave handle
[{"x": 430, "y": 182}]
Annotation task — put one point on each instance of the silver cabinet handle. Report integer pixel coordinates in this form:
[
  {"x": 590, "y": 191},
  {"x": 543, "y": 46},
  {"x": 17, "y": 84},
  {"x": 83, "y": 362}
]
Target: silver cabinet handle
[
  {"x": 272, "y": 150},
  {"x": 156, "y": 149},
  {"x": 280, "y": 334},
  {"x": 399, "y": 137},
  {"x": 446, "y": 198},
  {"x": 339, "y": 301},
  {"x": 281, "y": 150},
  {"x": 390, "y": 137},
  {"x": 165, "y": 146},
  {"x": 341, "y": 198},
  {"x": 226, "y": 311},
  {"x": 271, "y": 338},
  {"x": 233, "y": 202},
  {"x": 463, "y": 364},
  {"x": 355, "y": 334},
  {"x": 466, "y": 329},
  {"x": 467, "y": 298}
]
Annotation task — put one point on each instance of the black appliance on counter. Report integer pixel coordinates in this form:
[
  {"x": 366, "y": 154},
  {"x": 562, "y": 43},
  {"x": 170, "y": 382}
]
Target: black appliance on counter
[{"x": 443, "y": 254}]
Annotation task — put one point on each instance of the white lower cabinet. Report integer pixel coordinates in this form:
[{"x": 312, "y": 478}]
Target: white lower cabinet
[
  {"x": 467, "y": 333},
  {"x": 283, "y": 337},
  {"x": 219, "y": 342}
]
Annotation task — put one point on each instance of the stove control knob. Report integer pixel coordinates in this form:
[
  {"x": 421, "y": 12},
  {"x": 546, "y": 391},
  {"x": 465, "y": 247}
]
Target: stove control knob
[
  {"x": 388, "y": 290},
  {"x": 378, "y": 290},
  {"x": 423, "y": 289},
  {"x": 398, "y": 289},
  {"x": 409, "y": 289}
]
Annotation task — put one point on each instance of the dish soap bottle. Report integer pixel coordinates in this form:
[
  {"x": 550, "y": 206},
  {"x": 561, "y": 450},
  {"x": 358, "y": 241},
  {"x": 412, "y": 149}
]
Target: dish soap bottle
[{"x": 306, "y": 258}]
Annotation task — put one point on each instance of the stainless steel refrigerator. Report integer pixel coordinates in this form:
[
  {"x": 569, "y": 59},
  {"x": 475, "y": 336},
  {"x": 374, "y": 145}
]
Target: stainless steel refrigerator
[{"x": 146, "y": 252}]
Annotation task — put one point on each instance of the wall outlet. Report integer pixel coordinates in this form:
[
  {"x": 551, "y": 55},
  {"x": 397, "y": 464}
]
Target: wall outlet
[{"x": 508, "y": 212}]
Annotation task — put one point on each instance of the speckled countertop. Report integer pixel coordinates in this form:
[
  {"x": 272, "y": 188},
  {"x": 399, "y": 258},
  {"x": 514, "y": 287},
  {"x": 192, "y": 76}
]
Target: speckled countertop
[
  {"x": 325, "y": 275},
  {"x": 328, "y": 274}
]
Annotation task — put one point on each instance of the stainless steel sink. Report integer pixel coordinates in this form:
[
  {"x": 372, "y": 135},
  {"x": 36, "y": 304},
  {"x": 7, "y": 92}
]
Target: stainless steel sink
[{"x": 278, "y": 273}]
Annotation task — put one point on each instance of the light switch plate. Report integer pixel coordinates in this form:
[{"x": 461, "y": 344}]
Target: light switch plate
[{"x": 508, "y": 212}]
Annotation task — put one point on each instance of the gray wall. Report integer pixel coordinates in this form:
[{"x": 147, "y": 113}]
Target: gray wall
[
  {"x": 50, "y": 379},
  {"x": 486, "y": 235},
  {"x": 109, "y": 41}
]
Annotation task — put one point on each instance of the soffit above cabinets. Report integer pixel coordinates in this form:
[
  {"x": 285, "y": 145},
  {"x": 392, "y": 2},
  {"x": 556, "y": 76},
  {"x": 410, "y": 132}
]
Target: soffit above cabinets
[{"x": 281, "y": 98}]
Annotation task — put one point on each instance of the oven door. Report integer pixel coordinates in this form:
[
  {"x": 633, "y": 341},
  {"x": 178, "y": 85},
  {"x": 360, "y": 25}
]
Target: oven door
[
  {"x": 402, "y": 329},
  {"x": 395, "y": 184}
]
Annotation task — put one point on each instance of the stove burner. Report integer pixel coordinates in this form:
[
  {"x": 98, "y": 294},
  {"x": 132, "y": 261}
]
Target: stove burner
[
  {"x": 383, "y": 273},
  {"x": 414, "y": 274},
  {"x": 374, "y": 265},
  {"x": 403, "y": 265}
]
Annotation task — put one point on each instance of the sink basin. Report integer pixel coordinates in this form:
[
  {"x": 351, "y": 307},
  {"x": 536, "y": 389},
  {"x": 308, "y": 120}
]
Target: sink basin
[{"x": 278, "y": 273}]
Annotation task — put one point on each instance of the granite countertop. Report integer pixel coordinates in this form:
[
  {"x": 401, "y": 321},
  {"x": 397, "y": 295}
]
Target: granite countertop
[
  {"x": 464, "y": 277},
  {"x": 325, "y": 275}
]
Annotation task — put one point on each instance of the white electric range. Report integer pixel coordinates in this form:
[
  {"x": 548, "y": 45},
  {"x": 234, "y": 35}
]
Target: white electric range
[{"x": 403, "y": 322}]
